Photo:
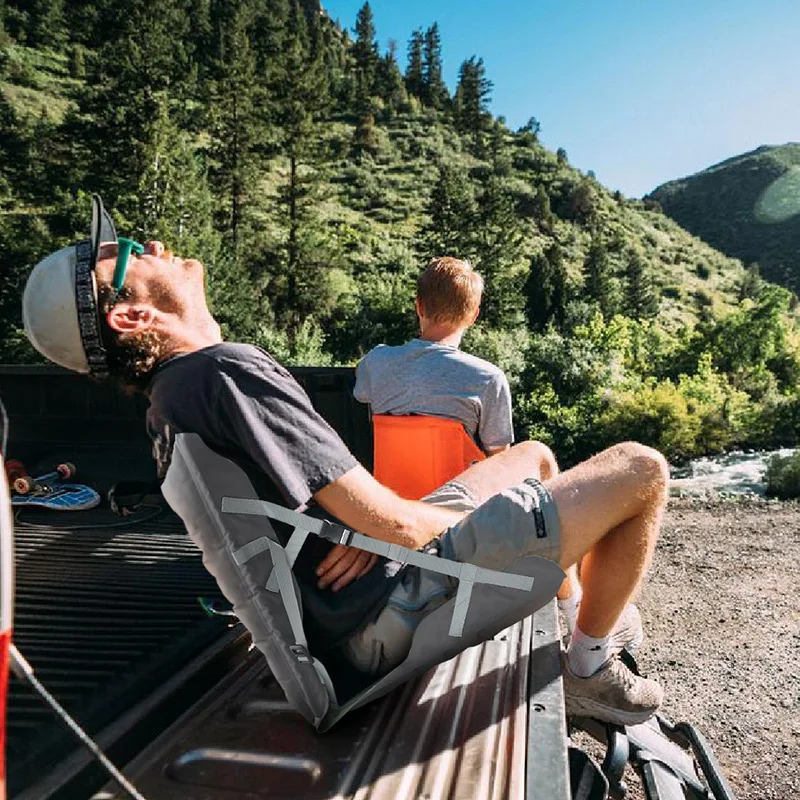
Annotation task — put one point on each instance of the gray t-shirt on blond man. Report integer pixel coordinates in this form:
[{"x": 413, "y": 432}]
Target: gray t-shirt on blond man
[{"x": 422, "y": 377}]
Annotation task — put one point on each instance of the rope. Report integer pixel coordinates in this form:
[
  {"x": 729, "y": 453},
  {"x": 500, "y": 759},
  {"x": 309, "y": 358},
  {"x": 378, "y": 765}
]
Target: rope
[{"x": 23, "y": 670}]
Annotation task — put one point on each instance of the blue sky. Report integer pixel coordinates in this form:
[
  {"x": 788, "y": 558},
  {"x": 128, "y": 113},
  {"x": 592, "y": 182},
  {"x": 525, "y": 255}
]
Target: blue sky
[{"x": 638, "y": 91}]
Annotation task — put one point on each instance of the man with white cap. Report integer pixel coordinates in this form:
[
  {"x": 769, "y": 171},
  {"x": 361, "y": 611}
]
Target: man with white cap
[{"x": 113, "y": 309}]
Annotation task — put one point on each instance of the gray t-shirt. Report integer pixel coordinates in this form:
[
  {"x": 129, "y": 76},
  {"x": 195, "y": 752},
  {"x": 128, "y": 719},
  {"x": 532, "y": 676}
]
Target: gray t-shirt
[
  {"x": 422, "y": 377},
  {"x": 248, "y": 408}
]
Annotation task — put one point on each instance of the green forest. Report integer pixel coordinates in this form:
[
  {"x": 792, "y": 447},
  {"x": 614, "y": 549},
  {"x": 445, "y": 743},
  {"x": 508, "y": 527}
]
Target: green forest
[{"x": 315, "y": 175}]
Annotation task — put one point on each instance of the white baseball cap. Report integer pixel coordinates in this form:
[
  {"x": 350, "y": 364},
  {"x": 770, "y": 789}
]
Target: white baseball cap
[{"x": 59, "y": 304}]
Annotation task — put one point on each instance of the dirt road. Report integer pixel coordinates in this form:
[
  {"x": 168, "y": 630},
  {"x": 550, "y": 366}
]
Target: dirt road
[{"x": 721, "y": 610}]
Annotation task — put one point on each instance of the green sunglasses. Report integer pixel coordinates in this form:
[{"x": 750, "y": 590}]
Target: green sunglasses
[{"x": 124, "y": 249}]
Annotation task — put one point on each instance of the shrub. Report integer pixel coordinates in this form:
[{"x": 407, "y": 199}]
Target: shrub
[
  {"x": 783, "y": 476},
  {"x": 22, "y": 73},
  {"x": 657, "y": 415},
  {"x": 77, "y": 62},
  {"x": 720, "y": 408},
  {"x": 703, "y": 272},
  {"x": 505, "y": 348},
  {"x": 653, "y": 205}
]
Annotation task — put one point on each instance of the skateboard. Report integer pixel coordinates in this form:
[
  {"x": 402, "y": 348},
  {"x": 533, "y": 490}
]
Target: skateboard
[{"x": 51, "y": 491}]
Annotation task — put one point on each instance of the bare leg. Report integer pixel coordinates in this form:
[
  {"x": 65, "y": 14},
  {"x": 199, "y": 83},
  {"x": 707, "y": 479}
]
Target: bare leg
[
  {"x": 610, "y": 509},
  {"x": 525, "y": 460},
  {"x": 487, "y": 478},
  {"x": 509, "y": 468}
]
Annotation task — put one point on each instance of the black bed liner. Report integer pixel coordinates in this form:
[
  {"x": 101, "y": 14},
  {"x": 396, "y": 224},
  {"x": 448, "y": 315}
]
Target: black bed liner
[{"x": 103, "y": 616}]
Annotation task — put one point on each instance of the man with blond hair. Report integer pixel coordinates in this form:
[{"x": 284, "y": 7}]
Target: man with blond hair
[{"x": 431, "y": 375}]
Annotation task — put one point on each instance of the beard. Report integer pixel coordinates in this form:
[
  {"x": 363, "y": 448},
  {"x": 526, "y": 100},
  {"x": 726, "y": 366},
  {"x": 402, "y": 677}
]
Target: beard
[{"x": 132, "y": 358}]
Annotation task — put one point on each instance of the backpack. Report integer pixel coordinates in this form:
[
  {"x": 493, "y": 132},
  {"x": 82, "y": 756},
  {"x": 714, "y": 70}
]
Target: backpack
[{"x": 231, "y": 526}]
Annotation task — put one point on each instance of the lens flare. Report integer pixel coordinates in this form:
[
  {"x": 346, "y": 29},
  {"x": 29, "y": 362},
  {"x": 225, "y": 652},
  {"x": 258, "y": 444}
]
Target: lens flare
[{"x": 780, "y": 201}]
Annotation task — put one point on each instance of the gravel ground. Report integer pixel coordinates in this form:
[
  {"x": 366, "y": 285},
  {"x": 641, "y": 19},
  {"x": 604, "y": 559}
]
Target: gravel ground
[{"x": 721, "y": 612}]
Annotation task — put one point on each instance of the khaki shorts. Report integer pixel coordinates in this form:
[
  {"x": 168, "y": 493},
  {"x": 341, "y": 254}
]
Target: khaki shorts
[{"x": 518, "y": 522}]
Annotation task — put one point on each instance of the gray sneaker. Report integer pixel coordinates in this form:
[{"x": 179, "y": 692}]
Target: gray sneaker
[
  {"x": 612, "y": 694},
  {"x": 627, "y": 633}
]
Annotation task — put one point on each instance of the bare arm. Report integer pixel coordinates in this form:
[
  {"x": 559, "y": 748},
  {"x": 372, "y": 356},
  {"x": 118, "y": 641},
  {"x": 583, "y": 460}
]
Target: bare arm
[{"x": 368, "y": 507}]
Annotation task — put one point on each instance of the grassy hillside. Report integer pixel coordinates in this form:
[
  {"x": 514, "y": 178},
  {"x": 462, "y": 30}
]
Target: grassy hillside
[
  {"x": 378, "y": 205},
  {"x": 315, "y": 179},
  {"x": 747, "y": 207}
]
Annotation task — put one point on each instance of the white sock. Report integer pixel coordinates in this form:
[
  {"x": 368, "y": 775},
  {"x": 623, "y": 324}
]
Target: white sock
[
  {"x": 569, "y": 608},
  {"x": 586, "y": 654}
]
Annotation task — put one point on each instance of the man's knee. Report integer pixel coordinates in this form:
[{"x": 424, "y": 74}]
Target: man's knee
[
  {"x": 648, "y": 467},
  {"x": 541, "y": 458}
]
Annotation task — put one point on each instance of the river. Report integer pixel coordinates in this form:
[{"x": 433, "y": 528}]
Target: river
[{"x": 733, "y": 473}]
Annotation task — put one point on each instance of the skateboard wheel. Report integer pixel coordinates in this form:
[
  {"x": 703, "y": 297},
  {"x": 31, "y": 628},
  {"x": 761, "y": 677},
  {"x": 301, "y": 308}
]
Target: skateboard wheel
[
  {"x": 24, "y": 484},
  {"x": 66, "y": 470}
]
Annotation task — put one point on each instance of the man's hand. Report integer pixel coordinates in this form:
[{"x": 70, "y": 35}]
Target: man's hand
[{"x": 343, "y": 565}]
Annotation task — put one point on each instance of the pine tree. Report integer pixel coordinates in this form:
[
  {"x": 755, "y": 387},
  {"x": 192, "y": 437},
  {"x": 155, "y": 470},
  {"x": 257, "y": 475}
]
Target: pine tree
[
  {"x": 598, "y": 278},
  {"x": 500, "y": 154},
  {"x": 414, "y": 70},
  {"x": 46, "y": 26},
  {"x": 583, "y": 203},
  {"x": 175, "y": 202},
  {"x": 77, "y": 62},
  {"x": 498, "y": 252},
  {"x": 434, "y": 91},
  {"x": 302, "y": 98},
  {"x": 268, "y": 35},
  {"x": 364, "y": 137},
  {"x": 471, "y": 102},
  {"x": 641, "y": 301},
  {"x": 366, "y": 57},
  {"x": 751, "y": 283},
  {"x": 144, "y": 60},
  {"x": 541, "y": 209},
  {"x": 236, "y": 121},
  {"x": 200, "y": 36},
  {"x": 450, "y": 215},
  {"x": 529, "y": 132},
  {"x": 389, "y": 82},
  {"x": 15, "y": 146},
  {"x": 546, "y": 289}
]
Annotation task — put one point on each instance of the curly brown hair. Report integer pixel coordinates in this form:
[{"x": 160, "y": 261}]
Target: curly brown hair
[{"x": 132, "y": 357}]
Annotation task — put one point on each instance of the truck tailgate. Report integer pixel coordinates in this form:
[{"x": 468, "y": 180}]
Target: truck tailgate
[{"x": 487, "y": 724}]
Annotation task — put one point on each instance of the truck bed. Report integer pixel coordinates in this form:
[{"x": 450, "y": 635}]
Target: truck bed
[
  {"x": 109, "y": 619},
  {"x": 486, "y": 724}
]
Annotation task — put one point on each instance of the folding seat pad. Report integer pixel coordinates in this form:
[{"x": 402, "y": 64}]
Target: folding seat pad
[
  {"x": 231, "y": 526},
  {"x": 414, "y": 454}
]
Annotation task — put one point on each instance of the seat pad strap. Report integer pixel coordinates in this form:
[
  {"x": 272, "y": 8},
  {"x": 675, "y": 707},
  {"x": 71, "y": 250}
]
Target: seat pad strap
[{"x": 467, "y": 574}]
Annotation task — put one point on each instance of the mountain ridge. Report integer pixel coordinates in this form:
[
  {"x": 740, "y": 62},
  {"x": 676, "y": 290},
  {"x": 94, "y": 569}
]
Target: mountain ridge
[{"x": 747, "y": 206}]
